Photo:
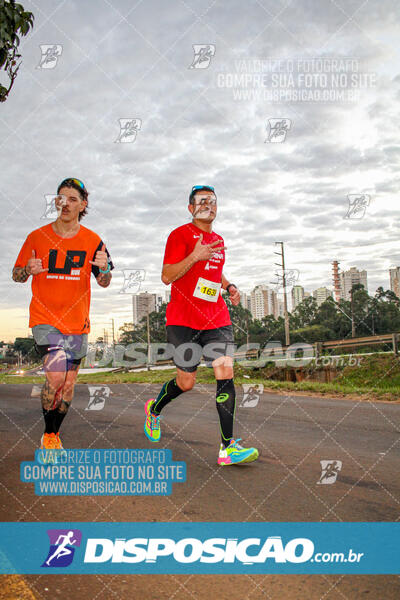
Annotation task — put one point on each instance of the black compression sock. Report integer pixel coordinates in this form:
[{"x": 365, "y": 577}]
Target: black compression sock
[
  {"x": 49, "y": 420},
  {"x": 226, "y": 408},
  {"x": 58, "y": 419},
  {"x": 169, "y": 391}
]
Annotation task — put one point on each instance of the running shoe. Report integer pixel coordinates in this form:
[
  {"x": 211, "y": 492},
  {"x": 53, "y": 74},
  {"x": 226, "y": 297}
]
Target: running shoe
[
  {"x": 49, "y": 441},
  {"x": 59, "y": 445},
  {"x": 235, "y": 454},
  {"x": 152, "y": 427},
  {"x": 49, "y": 452}
]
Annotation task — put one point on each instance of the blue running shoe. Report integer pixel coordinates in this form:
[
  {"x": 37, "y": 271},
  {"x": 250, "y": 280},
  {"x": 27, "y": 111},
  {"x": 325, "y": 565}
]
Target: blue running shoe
[
  {"x": 235, "y": 454},
  {"x": 152, "y": 427}
]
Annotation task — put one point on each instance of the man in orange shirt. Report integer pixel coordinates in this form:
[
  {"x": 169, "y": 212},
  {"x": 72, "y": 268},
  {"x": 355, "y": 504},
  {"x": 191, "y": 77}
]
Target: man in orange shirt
[{"x": 61, "y": 257}]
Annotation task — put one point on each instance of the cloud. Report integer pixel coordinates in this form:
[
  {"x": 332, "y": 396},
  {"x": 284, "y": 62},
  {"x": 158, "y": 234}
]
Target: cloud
[{"x": 64, "y": 122}]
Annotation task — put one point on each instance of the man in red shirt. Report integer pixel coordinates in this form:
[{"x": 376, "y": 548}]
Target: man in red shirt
[
  {"x": 198, "y": 321},
  {"x": 61, "y": 257}
]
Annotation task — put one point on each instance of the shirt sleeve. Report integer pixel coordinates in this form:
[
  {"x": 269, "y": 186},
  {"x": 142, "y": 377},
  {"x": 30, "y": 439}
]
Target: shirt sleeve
[
  {"x": 95, "y": 268},
  {"x": 175, "y": 249},
  {"x": 25, "y": 253}
]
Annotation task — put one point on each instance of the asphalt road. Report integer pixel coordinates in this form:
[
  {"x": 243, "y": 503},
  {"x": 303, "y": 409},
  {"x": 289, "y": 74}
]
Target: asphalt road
[{"x": 292, "y": 433}]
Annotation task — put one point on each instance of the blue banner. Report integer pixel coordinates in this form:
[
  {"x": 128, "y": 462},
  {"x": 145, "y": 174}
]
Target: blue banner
[{"x": 200, "y": 548}]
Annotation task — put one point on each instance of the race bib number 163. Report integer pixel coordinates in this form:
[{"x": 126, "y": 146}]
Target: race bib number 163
[{"x": 207, "y": 290}]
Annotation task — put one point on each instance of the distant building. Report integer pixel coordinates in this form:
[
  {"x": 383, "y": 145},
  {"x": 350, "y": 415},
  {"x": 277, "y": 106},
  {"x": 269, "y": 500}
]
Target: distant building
[
  {"x": 245, "y": 300},
  {"x": 143, "y": 303},
  {"x": 395, "y": 280},
  {"x": 352, "y": 277},
  {"x": 159, "y": 301},
  {"x": 297, "y": 295},
  {"x": 321, "y": 294},
  {"x": 281, "y": 309},
  {"x": 263, "y": 301},
  {"x": 168, "y": 295}
]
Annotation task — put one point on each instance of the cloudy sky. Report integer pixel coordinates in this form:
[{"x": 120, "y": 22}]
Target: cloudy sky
[{"x": 124, "y": 60}]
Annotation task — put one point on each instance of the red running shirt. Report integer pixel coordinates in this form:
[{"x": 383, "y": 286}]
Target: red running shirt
[{"x": 196, "y": 299}]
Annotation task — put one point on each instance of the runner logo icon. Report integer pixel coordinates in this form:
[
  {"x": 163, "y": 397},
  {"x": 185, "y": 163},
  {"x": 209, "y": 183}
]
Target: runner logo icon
[{"x": 62, "y": 547}]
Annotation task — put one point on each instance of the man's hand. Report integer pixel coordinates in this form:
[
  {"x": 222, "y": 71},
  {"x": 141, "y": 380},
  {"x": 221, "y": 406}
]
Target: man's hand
[
  {"x": 34, "y": 265},
  {"x": 205, "y": 251},
  {"x": 234, "y": 295},
  {"x": 101, "y": 259}
]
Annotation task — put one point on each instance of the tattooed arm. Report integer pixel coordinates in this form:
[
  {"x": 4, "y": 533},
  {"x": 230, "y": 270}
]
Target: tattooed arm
[
  {"x": 20, "y": 274},
  {"x": 101, "y": 262},
  {"x": 34, "y": 266},
  {"x": 104, "y": 279}
]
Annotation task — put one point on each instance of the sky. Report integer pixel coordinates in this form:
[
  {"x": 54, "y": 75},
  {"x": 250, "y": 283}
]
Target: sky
[{"x": 175, "y": 66}]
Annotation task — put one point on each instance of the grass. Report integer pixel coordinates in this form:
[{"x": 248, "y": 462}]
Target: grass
[{"x": 376, "y": 377}]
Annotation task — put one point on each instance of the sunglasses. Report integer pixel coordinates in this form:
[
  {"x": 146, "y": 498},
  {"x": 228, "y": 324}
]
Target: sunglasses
[
  {"x": 201, "y": 187},
  {"x": 203, "y": 201},
  {"x": 76, "y": 181}
]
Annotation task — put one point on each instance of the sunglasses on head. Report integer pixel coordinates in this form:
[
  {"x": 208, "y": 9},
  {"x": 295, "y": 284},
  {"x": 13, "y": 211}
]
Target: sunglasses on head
[
  {"x": 73, "y": 180},
  {"x": 201, "y": 187}
]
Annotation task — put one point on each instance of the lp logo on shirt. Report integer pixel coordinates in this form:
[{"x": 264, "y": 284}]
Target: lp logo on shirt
[{"x": 73, "y": 260}]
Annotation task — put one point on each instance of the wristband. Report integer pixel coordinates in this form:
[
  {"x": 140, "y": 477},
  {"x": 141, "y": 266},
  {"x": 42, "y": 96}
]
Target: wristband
[
  {"x": 107, "y": 270},
  {"x": 230, "y": 285}
]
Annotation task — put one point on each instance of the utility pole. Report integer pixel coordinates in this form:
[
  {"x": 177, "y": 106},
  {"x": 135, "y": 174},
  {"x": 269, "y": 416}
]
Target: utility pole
[
  {"x": 282, "y": 265},
  {"x": 353, "y": 325},
  {"x": 148, "y": 335},
  {"x": 112, "y": 321}
]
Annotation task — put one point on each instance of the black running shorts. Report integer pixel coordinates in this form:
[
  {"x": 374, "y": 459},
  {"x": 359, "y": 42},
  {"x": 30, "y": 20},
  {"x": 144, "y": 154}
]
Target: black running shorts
[{"x": 191, "y": 344}]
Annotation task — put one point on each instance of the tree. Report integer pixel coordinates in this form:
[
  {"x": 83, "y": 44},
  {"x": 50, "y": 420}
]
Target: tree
[
  {"x": 26, "y": 346},
  {"x": 310, "y": 334},
  {"x": 14, "y": 20},
  {"x": 327, "y": 315},
  {"x": 138, "y": 333},
  {"x": 304, "y": 313},
  {"x": 241, "y": 320},
  {"x": 273, "y": 330}
]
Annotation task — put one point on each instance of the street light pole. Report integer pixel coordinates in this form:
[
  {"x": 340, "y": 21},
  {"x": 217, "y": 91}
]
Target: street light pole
[
  {"x": 286, "y": 314},
  {"x": 148, "y": 335},
  {"x": 353, "y": 325},
  {"x": 112, "y": 321}
]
